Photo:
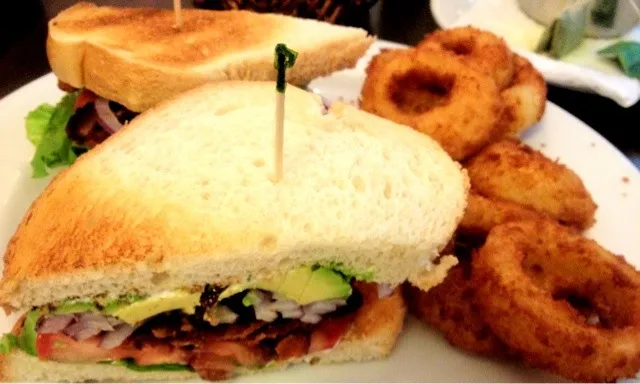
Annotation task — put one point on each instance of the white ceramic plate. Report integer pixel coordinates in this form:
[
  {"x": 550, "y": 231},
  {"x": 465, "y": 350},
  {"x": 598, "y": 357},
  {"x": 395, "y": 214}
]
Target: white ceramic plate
[{"x": 421, "y": 354}]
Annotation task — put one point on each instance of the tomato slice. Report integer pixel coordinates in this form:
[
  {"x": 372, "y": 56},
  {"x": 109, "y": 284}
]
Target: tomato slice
[
  {"x": 62, "y": 348},
  {"x": 85, "y": 97}
]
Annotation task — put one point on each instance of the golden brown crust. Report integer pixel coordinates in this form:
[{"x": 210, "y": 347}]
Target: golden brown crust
[
  {"x": 478, "y": 49},
  {"x": 526, "y": 274},
  {"x": 136, "y": 57},
  {"x": 525, "y": 98},
  {"x": 484, "y": 213},
  {"x": 451, "y": 308},
  {"x": 150, "y": 34},
  {"x": 512, "y": 171},
  {"x": 436, "y": 94}
]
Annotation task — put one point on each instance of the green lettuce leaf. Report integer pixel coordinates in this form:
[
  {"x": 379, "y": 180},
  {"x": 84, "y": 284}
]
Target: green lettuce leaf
[
  {"x": 37, "y": 122},
  {"x": 27, "y": 339},
  {"x": 53, "y": 147},
  {"x": 7, "y": 343}
]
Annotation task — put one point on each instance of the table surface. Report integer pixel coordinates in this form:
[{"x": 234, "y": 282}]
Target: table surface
[{"x": 23, "y": 30}]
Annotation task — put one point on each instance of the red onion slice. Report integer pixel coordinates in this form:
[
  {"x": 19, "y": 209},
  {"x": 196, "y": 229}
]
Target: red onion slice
[
  {"x": 116, "y": 337},
  {"x": 108, "y": 120},
  {"x": 114, "y": 321},
  {"x": 324, "y": 306},
  {"x": 79, "y": 332},
  {"x": 265, "y": 314},
  {"x": 88, "y": 325},
  {"x": 55, "y": 324},
  {"x": 292, "y": 314},
  {"x": 93, "y": 320},
  {"x": 311, "y": 318}
]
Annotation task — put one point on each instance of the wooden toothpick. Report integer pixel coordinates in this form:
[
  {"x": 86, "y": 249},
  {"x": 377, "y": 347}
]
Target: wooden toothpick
[
  {"x": 177, "y": 10},
  {"x": 284, "y": 58}
]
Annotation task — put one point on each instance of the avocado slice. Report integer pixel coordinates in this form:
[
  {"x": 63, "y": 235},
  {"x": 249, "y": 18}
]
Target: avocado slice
[
  {"x": 292, "y": 285},
  {"x": 303, "y": 285},
  {"x": 273, "y": 285},
  {"x": 324, "y": 284},
  {"x": 75, "y": 306},
  {"x": 27, "y": 338},
  {"x": 153, "y": 305}
]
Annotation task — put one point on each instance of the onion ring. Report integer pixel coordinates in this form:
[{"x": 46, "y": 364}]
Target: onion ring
[
  {"x": 450, "y": 307},
  {"x": 436, "y": 94},
  {"x": 511, "y": 171},
  {"x": 525, "y": 274},
  {"x": 483, "y": 213},
  {"x": 481, "y": 50},
  {"x": 525, "y": 98}
]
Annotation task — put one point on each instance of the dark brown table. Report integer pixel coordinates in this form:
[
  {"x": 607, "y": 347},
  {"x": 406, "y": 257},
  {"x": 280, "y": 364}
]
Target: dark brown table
[{"x": 23, "y": 29}]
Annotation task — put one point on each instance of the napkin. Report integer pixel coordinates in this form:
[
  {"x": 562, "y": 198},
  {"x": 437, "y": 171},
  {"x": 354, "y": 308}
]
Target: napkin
[{"x": 581, "y": 70}]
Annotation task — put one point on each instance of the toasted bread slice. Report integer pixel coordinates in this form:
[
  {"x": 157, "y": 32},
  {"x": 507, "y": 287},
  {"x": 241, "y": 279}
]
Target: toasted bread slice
[
  {"x": 372, "y": 335},
  {"x": 183, "y": 196},
  {"x": 136, "y": 56}
]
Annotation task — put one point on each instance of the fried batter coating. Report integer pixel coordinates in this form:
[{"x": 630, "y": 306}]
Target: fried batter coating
[
  {"x": 528, "y": 274},
  {"x": 436, "y": 94},
  {"x": 525, "y": 98},
  {"x": 514, "y": 172},
  {"x": 478, "y": 49},
  {"x": 450, "y": 307},
  {"x": 484, "y": 213}
]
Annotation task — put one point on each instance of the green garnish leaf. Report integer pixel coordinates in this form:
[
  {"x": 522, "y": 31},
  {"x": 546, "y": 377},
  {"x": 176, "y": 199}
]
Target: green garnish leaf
[
  {"x": 130, "y": 364},
  {"x": 27, "y": 339},
  {"x": 627, "y": 53},
  {"x": 604, "y": 12},
  {"x": 284, "y": 58},
  {"x": 37, "y": 121},
  {"x": 7, "y": 343},
  {"x": 566, "y": 33},
  {"x": 53, "y": 148}
]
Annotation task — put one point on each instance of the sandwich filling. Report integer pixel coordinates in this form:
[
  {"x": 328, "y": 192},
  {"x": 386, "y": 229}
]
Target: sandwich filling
[
  {"x": 79, "y": 122},
  {"x": 211, "y": 330}
]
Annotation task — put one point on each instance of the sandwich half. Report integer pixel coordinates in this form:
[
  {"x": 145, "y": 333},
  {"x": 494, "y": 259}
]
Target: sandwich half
[
  {"x": 117, "y": 62},
  {"x": 169, "y": 253}
]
